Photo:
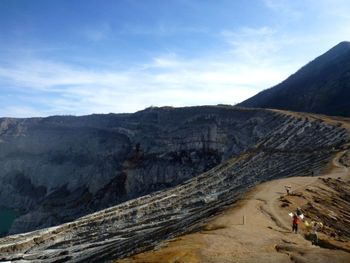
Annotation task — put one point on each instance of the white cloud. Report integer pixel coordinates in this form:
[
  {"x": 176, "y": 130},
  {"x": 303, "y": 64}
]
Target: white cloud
[
  {"x": 166, "y": 80},
  {"x": 253, "y": 44},
  {"x": 285, "y": 8},
  {"x": 20, "y": 111},
  {"x": 249, "y": 59},
  {"x": 248, "y": 65}
]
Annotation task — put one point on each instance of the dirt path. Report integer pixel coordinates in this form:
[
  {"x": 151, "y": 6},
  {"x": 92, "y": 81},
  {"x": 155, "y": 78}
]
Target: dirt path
[{"x": 256, "y": 229}]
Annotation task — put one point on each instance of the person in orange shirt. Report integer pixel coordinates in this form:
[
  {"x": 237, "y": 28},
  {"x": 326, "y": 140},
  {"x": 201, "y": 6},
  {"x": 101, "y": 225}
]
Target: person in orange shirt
[{"x": 296, "y": 222}]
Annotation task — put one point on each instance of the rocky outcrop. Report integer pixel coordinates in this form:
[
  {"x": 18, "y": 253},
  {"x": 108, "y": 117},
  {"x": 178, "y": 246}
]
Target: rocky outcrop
[
  {"x": 294, "y": 146},
  {"x": 56, "y": 169}
]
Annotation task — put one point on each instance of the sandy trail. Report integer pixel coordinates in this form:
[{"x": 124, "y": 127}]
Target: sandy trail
[{"x": 255, "y": 229}]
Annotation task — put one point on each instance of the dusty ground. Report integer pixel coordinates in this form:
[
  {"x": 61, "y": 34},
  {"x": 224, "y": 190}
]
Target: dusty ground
[{"x": 258, "y": 228}]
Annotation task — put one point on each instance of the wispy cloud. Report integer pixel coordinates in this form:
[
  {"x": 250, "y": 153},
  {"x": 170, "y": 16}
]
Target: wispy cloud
[
  {"x": 253, "y": 44},
  {"x": 330, "y": 12},
  {"x": 161, "y": 29},
  {"x": 336, "y": 8},
  {"x": 244, "y": 61},
  {"x": 285, "y": 7},
  {"x": 21, "y": 111},
  {"x": 97, "y": 33},
  {"x": 166, "y": 80}
]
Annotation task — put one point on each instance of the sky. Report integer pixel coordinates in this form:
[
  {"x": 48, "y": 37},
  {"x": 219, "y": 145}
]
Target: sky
[{"x": 77, "y": 57}]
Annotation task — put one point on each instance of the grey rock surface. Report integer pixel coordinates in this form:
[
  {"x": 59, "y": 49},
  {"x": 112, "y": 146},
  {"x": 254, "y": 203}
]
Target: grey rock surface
[
  {"x": 56, "y": 169},
  {"x": 291, "y": 146}
]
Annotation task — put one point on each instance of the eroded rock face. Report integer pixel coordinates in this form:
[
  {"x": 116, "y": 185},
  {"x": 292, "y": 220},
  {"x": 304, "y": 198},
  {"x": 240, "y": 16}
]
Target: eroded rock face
[
  {"x": 292, "y": 146},
  {"x": 57, "y": 169}
]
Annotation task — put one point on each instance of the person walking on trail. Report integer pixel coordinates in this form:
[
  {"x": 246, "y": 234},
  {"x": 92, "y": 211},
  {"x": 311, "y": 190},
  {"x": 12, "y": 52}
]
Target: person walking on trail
[
  {"x": 296, "y": 222},
  {"x": 314, "y": 228},
  {"x": 288, "y": 188}
]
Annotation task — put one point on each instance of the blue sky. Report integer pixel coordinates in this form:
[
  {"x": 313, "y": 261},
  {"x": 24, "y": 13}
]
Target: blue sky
[{"x": 99, "y": 56}]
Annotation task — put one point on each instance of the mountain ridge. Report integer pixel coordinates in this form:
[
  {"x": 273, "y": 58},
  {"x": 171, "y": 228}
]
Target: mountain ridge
[{"x": 321, "y": 86}]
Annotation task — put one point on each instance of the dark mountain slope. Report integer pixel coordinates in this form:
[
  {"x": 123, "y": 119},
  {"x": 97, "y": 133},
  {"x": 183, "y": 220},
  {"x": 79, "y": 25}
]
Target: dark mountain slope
[{"x": 322, "y": 86}]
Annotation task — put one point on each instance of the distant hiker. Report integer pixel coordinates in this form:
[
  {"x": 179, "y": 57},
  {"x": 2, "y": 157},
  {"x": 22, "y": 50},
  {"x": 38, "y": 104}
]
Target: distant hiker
[
  {"x": 287, "y": 189},
  {"x": 314, "y": 236},
  {"x": 296, "y": 222}
]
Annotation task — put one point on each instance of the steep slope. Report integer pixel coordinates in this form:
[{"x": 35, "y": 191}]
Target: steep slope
[
  {"x": 297, "y": 146},
  {"x": 322, "y": 86},
  {"x": 258, "y": 228},
  {"x": 56, "y": 169}
]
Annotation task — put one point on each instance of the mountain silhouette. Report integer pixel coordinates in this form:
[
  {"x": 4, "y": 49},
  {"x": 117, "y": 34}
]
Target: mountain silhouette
[{"x": 321, "y": 86}]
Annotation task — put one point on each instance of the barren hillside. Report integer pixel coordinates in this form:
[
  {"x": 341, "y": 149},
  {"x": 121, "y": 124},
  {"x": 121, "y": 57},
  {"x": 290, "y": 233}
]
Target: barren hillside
[
  {"x": 56, "y": 169},
  {"x": 299, "y": 146},
  {"x": 258, "y": 228}
]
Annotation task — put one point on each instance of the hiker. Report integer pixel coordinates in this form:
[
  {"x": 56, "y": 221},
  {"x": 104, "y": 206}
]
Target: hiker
[
  {"x": 314, "y": 237},
  {"x": 287, "y": 189},
  {"x": 296, "y": 222}
]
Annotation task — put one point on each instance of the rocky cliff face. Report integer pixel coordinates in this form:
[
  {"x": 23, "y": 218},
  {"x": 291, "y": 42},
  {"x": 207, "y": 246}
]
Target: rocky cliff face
[
  {"x": 278, "y": 145},
  {"x": 59, "y": 168}
]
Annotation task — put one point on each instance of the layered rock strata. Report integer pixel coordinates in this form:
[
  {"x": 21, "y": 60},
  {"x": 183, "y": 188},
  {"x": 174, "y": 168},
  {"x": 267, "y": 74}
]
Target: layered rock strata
[
  {"x": 296, "y": 146},
  {"x": 56, "y": 169}
]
